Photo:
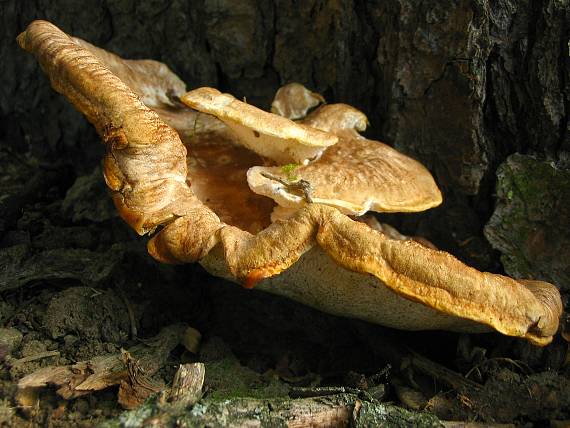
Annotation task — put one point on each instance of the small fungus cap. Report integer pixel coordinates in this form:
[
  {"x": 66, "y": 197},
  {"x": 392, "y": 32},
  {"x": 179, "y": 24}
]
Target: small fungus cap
[
  {"x": 293, "y": 101},
  {"x": 267, "y": 134},
  {"x": 337, "y": 117},
  {"x": 356, "y": 175}
]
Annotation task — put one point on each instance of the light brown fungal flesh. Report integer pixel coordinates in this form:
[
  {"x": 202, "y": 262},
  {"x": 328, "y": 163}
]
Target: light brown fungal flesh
[
  {"x": 337, "y": 117},
  {"x": 158, "y": 88},
  {"x": 318, "y": 256},
  {"x": 390, "y": 231},
  {"x": 293, "y": 101},
  {"x": 356, "y": 176},
  {"x": 269, "y": 135},
  {"x": 217, "y": 176}
]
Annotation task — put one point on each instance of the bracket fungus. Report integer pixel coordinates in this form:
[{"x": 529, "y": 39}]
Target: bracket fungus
[{"x": 203, "y": 173}]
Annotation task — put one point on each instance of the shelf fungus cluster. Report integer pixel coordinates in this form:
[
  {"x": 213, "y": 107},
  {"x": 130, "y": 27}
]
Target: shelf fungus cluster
[{"x": 278, "y": 200}]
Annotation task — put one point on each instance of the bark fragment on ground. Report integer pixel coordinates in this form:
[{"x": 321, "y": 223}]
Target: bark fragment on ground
[
  {"x": 186, "y": 389},
  {"x": 104, "y": 371},
  {"x": 340, "y": 410},
  {"x": 138, "y": 385}
]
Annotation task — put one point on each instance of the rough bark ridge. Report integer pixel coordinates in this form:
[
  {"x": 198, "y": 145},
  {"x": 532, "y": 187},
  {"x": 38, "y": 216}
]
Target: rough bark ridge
[{"x": 458, "y": 84}]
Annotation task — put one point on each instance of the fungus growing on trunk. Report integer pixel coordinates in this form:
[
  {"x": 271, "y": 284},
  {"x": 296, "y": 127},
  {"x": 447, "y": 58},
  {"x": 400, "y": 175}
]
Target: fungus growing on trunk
[{"x": 183, "y": 175}]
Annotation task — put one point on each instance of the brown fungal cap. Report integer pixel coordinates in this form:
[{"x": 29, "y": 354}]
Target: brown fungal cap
[
  {"x": 152, "y": 81},
  {"x": 337, "y": 117},
  {"x": 267, "y": 134},
  {"x": 217, "y": 175},
  {"x": 293, "y": 101},
  {"x": 323, "y": 258},
  {"x": 356, "y": 175},
  {"x": 145, "y": 163},
  {"x": 158, "y": 88}
]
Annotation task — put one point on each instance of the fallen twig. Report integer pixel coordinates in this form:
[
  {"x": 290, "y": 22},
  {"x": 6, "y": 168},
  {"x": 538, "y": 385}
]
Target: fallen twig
[
  {"x": 302, "y": 186},
  {"x": 521, "y": 365},
  {"x": 34, "y": 357},
  {"x": 439, "y": 372},
  {"x": 340, "y": 410}
]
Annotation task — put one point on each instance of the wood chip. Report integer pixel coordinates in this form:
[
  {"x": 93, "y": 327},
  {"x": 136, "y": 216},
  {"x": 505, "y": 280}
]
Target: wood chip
[
  {"x": 138, "y": 385},
  {"x": 34, "y": 357},
  {"x": 187, "y": 385}
]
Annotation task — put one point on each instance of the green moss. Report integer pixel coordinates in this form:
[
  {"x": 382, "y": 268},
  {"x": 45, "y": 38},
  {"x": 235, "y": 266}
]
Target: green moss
[
  {"x": 529, "y": 225},
  {"x": 274, "y": 412},
  {"x": 134, "y": 418},
  {"x": 6, "y": 412},
  {"x": 288, "y": 171},
  {"x": 227, "y": 379},
  {"x": 386, "y": 415}
]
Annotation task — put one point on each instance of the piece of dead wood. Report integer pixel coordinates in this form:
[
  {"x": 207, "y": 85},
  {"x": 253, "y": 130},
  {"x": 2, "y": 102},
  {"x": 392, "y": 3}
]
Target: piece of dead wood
[
  {"x": 340, "y": 410},
  {"x": 411, "y": 398},
  {"x": 413, "y": 360},
  {"x": 104, "y": 371},
  {"x": 34, "y": 357},
  {"x": 523, "y": 367},
  {"x": 410, "y": 362},
  {"x": 458, "y": 424},
  {"x": 137, "y": 386},
  {"x": 187, "y": 385},
  {"x": 323, "y": 391}
]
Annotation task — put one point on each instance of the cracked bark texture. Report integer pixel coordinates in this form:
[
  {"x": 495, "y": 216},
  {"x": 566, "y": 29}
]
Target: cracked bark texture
[
  {"x": 530, "y": 224},
  {"x": 458, "y": 84}
]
